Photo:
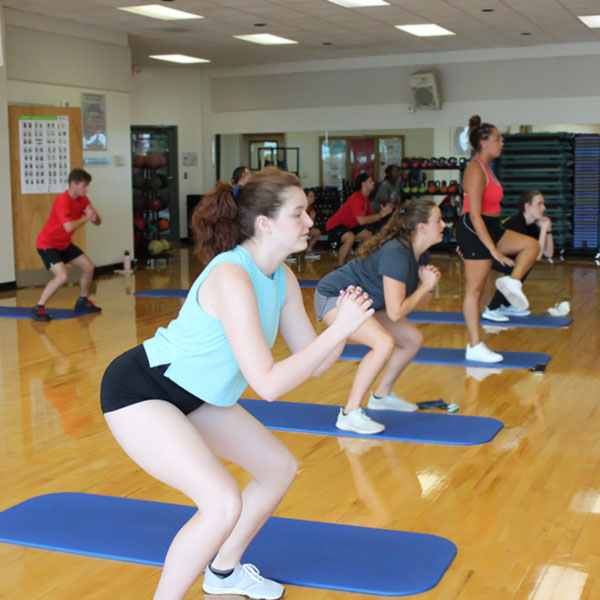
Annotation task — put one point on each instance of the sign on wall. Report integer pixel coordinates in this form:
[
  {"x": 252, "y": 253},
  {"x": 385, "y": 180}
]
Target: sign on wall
[{"x": 44, "y": 153}]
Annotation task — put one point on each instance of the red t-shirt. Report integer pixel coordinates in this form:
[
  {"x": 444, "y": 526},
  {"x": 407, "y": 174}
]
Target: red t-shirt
[
  {"x": 357, "y": 205},
  {"x": 64, "y": 209}
]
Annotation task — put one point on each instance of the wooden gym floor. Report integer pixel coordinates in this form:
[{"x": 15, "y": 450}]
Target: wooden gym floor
[{"x": 523, "y": 510}]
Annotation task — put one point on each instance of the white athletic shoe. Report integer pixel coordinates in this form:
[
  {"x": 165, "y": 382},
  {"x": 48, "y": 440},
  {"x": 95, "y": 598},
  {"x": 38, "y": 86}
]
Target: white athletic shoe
[
  {"x": 390, "y": 402},
  {"x": 512, "y": 290},
  {"x": 244, "y": 581},
  {"x": 560, "y": 310},
  {"x": 358, "y": 422},
  {"x": 481, "y": 353},
  {"x": 511, "y": 311},
  {"x": 494, "y": 315},
  {"x": 311, "y": 256}
]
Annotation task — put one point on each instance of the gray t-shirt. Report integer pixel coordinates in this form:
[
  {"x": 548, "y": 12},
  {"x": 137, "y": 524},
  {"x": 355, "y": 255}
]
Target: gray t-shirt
[{"x": 393, "y": 259}]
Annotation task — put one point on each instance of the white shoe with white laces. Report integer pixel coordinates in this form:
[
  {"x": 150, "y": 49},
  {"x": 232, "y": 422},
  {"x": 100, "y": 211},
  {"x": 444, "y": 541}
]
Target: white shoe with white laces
[
  {"x": 244, "y": 581},
  {"x": 511, "y": 311},
  {"x": 481, "y": 353},
  {"x": 494, "y": 315},
  {"x": 358, "y": 422}
]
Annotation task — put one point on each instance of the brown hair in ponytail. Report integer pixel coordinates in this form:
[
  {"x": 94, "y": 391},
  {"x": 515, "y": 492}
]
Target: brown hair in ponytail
[
  {"x": 402, "y": 225},
  {"x": 219, "y": 222},
  {"x": 479, "y": 131}
]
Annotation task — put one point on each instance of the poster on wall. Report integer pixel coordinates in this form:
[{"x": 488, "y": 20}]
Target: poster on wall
[
  {"x": 45, "y": 155},
  {"x": 93, "y": 114},
  {"x": 390, "y": 151},
  {"x": 333, "y": 161}
]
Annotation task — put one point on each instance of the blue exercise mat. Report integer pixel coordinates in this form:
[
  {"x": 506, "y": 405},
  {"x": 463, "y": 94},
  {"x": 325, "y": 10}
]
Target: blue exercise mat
[
  {"x": 308, "y": 283},
  {"x": 20, "y": 312},
  {"x": 163, "y": 293},
  {"x": 417, "y": 316},
  {"x": 457, "y": 318},
  {"x": 455, "y": 357},
  {"x": 309, "y": 553},
  {"x": 429, "y": 428}
]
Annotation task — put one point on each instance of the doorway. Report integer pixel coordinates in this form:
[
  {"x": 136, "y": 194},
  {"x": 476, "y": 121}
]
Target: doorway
[{"x": 155, "y": 181}]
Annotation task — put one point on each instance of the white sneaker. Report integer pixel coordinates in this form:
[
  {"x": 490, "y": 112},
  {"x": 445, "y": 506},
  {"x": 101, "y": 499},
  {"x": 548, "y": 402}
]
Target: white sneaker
[
  {"x": 512, "y": 290},
  {"x": 359, "y": 422},
  {"x": 311, "y": 256},
  {"x": 493, "y": 315},
  {"x": 390, "y": 402},
  {"x": 481, "y": 353},
  {"x": 511, "y": 311},
  {"x": 560, "y": 310},
  {"x": 290, "y": 259},
  {"x": 245, "y": 581}
]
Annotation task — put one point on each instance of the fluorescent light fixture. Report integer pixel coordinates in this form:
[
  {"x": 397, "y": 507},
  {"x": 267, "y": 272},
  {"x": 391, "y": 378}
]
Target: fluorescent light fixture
[
  {"x": 359, "y": 3},
  {"x": 427, "y": 30},
  {"x": 158, "y": 11},
  {"x": 265, "y": 38},
  {"x": 179, "y": 58},
  {"x": 592, "y": 21}
]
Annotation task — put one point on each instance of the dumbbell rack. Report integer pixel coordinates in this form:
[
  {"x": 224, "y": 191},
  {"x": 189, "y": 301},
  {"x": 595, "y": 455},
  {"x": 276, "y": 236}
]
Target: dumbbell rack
[{"x": 415, "y": 174}]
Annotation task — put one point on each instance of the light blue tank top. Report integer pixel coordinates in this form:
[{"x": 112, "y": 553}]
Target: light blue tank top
[{"x": 195, "y": 346}]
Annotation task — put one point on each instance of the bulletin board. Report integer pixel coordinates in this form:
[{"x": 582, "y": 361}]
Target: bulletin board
[{"x": 52, "y": 136}]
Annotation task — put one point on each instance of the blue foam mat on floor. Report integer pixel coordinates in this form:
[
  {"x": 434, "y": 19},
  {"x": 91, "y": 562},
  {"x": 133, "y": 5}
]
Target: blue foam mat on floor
[
  {"x": 309, "y": 553},
  {"x": 308, "y": 283},
  {"x": 455, "y": 357},
  {"x": 429, "y": 428},
  {"x": 22, "y": 312},
  {"x": 457, "y": 318},
  {"x": 417, "y": 316},
  {"x": 163, "y": 293}
]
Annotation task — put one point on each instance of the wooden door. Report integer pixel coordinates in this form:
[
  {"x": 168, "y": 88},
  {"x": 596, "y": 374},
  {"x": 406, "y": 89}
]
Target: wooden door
[
  {"x": 362, "y": 157},
  {"x": 31, "y": 210}
]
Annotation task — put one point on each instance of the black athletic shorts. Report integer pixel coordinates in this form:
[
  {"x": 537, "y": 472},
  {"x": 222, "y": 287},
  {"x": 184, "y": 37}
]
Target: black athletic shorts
[
  {"x": 129, "y": 379},
  {"x": 52, "y": 256},
  {"x": 468, "y": 241},
  {"x": 335, "y": 234}
]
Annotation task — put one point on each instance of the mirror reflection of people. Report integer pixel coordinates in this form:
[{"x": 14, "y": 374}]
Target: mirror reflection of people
[
  {"x": 393, "y": 268},
  {"x": 482, "y": 239},
  {"x": 530, "y": 221},
  {"x": 349, "y": 223},
  {"x": 239, "y": 177},
  {"x": 70, "y": 211},
  {"x": 171, "y": 403}
]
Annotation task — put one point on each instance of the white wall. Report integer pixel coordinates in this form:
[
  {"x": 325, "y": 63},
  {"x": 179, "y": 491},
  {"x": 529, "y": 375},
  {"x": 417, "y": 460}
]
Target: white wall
[
  {"x": 173, "y": 96},
  {"x": 49, "y": 62},
  {"x": 532, "y": 86},
  {"x": 7, "y": 264}
]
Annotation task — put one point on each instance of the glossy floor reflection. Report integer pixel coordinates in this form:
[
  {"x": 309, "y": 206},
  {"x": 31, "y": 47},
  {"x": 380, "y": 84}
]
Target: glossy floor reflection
[{"x": 524, "y": 509}]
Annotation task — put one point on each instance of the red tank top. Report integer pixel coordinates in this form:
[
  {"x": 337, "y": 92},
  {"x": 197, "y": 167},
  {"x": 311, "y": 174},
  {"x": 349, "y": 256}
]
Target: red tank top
[{"x": 492, "y": 193}]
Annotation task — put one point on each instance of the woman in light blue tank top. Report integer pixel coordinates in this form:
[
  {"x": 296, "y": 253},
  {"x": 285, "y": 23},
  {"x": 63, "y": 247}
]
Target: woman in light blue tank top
[{"x": 172, "y": 403}]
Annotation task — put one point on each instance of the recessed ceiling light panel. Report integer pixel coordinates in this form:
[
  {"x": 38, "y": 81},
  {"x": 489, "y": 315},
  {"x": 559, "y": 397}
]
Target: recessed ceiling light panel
[
  {"x": 179, "y": 58},
  {"x": 359, "y": 3},
  {"x": 266, "y": 39},
  {"x": 592, "y": 21},
  {"x": 158, "y": 11},
  {"x": 426, "y": 30}
]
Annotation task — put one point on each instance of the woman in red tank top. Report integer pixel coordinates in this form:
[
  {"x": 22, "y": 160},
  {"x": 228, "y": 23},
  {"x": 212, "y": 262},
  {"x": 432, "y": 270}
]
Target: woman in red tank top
[{"x": 481, "y": 237}]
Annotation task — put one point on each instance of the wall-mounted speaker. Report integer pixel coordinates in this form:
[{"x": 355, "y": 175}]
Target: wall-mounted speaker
[{"x": 425, "y": 91}]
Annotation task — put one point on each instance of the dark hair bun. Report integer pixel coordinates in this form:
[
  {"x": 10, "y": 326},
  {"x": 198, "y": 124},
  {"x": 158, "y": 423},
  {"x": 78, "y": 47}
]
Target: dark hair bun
[{"x": 474, "y": 122}]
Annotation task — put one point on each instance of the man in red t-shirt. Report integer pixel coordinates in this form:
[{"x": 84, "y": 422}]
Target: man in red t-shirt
[
  {"x": 71, "y": 210},
  {"x": 347, "y": 224}
]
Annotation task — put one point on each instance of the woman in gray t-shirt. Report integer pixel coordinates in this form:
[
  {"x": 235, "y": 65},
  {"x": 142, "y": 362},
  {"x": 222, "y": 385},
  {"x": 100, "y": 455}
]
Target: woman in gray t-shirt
[{"x": 393, "y": 269}]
